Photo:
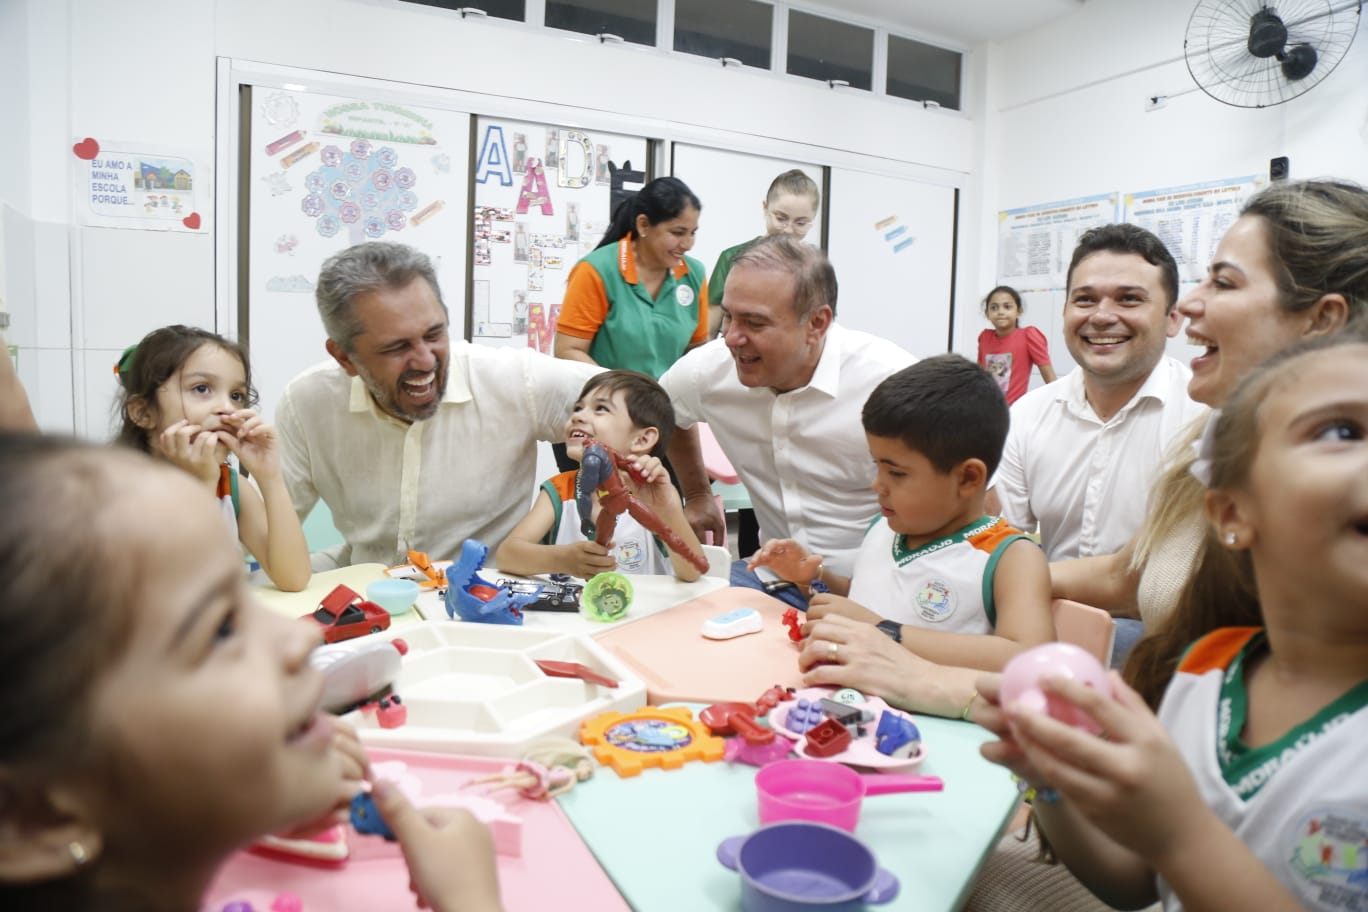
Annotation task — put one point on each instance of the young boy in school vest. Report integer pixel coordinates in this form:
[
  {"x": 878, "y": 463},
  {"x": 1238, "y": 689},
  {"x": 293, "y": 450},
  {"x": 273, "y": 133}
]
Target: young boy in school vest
[
  {"x": 934, "y": 573},
  {"x": 629, "y": 412}
]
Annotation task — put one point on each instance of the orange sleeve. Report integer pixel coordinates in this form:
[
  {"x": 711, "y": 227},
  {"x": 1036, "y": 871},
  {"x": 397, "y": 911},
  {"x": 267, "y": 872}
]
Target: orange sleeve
[
  {"x": 700, "y": 334},
  {"x": 585, "y": 305},
  {"x": 1216, "y": 649},
  {"x": 564, "y": 483}
]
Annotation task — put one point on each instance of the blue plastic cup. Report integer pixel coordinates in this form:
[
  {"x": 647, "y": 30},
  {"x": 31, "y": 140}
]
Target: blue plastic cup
[{"x": 394, "y": 595}]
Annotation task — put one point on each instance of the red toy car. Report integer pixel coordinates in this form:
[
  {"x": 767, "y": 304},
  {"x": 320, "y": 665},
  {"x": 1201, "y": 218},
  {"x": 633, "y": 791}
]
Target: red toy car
[{"x": 343, "y": 614}]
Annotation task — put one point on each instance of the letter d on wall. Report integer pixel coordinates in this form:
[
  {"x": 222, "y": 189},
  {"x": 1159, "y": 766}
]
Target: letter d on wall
[{"x": 564, "y": 177}]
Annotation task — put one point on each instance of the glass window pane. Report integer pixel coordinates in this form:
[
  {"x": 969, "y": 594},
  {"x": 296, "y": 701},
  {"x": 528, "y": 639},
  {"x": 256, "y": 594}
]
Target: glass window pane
[
  {"x": 632, "y": 20},
  {"x": 923, "y": 73},
  {"x": 725, "y": 28},
  {"x": 498, "y": 9},
  {"x": 826, "y": 49}
]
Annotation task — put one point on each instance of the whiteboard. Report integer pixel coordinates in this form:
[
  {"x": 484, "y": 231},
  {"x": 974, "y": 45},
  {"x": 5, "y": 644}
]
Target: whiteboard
[
  {"x": 327, "y": 172},
  {"x": 732, "y": 186},
  {"x": 520, "y": 260},
  {"x": 892, "y": 244}
]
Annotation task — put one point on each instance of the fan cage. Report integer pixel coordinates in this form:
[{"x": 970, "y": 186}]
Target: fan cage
[{"x": 1218, "y": 53}]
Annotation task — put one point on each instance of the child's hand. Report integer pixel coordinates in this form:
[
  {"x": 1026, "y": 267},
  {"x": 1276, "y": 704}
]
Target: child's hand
[
  {"x": 789, "y": 559},
  {"x": 588, "y": 558},
  {"x": 352, "y": 768},
  {"x": 648, "y": 470},
  {"x": 824, "y": 604},
  {"x": 654, "y": 489},
  {"x": 253, "y": 441},
  {"x": 1132, "y": 783},
  {"x": 986, "y": 710},
  {"x": 450, "y": 854},
  {"x": 192, "y": 448}
]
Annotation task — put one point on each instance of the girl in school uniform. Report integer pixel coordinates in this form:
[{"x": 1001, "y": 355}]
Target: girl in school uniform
[
  {"x": 1009, "y": 350},
  {"x": 1246, "y": 790},
  {"x": 186, "y": 397},
  {"x": 153, "y": 718}
]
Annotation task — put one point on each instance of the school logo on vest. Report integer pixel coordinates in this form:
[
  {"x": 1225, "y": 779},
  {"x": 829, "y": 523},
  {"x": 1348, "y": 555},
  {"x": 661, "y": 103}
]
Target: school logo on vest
[
  {"x": 684, "y": 296},
  {"x": 1327, "y": 853},
  {"x": 935, "y": 601},
  {"x": 631, "y": 556}
]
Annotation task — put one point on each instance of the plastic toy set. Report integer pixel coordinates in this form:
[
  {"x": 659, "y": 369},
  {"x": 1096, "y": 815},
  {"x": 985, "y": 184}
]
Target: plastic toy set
[{"x": 492, "y": 690}]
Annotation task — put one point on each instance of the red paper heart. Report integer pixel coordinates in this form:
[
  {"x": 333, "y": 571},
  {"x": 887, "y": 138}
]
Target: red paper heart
[
  {"x": 86, "y": 149},
  {"x": 191, "y": 221}
]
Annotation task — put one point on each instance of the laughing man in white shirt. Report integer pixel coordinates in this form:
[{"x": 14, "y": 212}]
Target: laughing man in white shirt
[
  {"x": 1084, "y": 451},
  {"x": 414, "y": 441},
  {"x": 782, "y": 391}
]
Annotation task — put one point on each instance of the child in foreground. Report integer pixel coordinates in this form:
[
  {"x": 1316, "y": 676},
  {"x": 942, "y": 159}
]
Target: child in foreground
[
  {"x": 1009, "y": 350},
  {"x": 186, "y": 397},
  {"x": 629, "y": 412},
  {"x": 1247, "y": 790},
  {"x": 934, "y": 573},
  {"x": 153, "y": 718}
]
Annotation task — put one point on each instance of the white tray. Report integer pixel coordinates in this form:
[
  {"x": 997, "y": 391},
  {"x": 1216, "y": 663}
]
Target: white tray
[{"x": 474, "y": 689}]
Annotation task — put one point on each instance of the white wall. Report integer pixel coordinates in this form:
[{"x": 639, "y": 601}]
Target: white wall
[
  {"x": 1065, "y": 117},
  {"x": 116, "y": 78}
]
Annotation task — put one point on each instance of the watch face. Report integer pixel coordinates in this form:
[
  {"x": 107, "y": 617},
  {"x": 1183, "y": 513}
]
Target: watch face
[{"x": 892, "y": 628}]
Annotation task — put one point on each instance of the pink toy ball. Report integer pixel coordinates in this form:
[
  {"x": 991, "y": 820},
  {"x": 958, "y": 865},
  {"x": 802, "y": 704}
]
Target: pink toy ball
[{"x": 1021, "y": 681}]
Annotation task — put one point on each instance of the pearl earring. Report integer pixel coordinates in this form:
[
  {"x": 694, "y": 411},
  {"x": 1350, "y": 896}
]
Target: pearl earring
[
  {"x": 78, "y": 853},
  {"x": 1230, "y": 539}
]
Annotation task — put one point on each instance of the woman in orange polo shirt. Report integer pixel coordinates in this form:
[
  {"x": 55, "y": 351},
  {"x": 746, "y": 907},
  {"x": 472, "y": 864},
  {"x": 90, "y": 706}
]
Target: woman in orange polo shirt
[{"x": 638, "y": 301}]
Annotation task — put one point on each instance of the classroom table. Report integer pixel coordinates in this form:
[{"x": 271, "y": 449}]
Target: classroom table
[{"x": 656, "y": 834}]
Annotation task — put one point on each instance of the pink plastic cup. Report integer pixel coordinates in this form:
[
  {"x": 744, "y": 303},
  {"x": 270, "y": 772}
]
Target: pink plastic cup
[{"x": 826, "y": 792}]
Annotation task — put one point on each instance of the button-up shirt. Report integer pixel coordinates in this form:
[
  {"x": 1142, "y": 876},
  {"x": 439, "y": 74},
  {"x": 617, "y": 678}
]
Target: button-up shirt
[
  {"x": 1085, "y": 480},
  {"x": 467, "y": 472},
  {"x": 801, "y": 455}
]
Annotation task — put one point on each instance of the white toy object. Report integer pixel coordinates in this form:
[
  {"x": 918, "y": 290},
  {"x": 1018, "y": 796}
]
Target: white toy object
[
  {"x": 355, "y": 670},
  {"x": 733, "y": 624}
]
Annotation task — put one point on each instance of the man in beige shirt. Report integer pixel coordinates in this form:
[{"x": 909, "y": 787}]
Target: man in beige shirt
[{"x": 412, "y": 440}]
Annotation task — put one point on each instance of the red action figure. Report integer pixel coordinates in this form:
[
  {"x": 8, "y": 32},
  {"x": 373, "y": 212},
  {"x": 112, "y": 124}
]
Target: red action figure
[{"x": 598, "y": 474}]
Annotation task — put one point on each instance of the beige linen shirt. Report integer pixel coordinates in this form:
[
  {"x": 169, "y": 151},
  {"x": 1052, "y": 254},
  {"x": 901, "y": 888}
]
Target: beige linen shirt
[
  {"x": 467, "y": 472},
  {"x": 802, "y": 455}
]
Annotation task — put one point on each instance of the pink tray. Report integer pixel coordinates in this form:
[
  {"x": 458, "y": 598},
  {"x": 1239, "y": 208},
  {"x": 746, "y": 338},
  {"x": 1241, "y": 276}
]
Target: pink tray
[
  {"x": 677, "y": 663},
  {"x": 555, "y": 863}
]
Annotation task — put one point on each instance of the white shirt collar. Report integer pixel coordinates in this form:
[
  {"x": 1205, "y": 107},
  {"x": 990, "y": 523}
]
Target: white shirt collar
[{"x": 457, "y": 389}]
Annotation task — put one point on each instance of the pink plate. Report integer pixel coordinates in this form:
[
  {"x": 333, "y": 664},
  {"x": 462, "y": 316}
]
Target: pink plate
[{"x": 862, "y": 751}]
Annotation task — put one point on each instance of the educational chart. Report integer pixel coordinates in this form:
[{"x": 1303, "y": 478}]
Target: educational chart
[
  {"x": 1191, "y": 219},
  {"x": 328, "y": 172},
  {"x": 543, "y": 199},
  {"x": 1035, "y": 245},
  {"x": 121, "y": 186}
]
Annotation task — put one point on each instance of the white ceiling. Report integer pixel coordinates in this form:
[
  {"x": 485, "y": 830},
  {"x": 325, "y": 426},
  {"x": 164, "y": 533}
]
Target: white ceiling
[{"x": 966, "y": 21}]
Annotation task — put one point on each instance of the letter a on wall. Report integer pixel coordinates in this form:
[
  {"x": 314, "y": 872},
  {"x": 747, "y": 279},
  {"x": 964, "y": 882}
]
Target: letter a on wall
[
  {"x": 534, "y": 190},
  {"x": 494, "y": 158},
  {"x": 563, "y": 176}
]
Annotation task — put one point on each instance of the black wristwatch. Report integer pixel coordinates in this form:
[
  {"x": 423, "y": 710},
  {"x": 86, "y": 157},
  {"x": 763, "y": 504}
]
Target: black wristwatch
[{"x": 892, "y": 628}]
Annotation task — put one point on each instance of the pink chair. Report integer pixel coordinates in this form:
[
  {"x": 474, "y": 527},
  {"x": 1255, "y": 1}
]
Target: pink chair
[{"x": 1085, "y": 626}]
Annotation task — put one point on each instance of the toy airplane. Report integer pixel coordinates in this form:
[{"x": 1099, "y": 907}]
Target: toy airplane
[{"x": 427, "y": 573}]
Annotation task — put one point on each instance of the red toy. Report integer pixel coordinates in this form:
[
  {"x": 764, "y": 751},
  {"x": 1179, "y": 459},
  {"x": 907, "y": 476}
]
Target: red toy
[
  {"x": 773, "y": 697},
  {"x": 790, "y": 620},
  {"x": 343, "y": 614},
  {"x": 598, "y": 474},
  {"x": 827, "y": 739}
]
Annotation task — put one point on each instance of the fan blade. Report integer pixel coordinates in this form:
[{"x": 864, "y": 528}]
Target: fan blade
[{"x": 1298, "y": 62}]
